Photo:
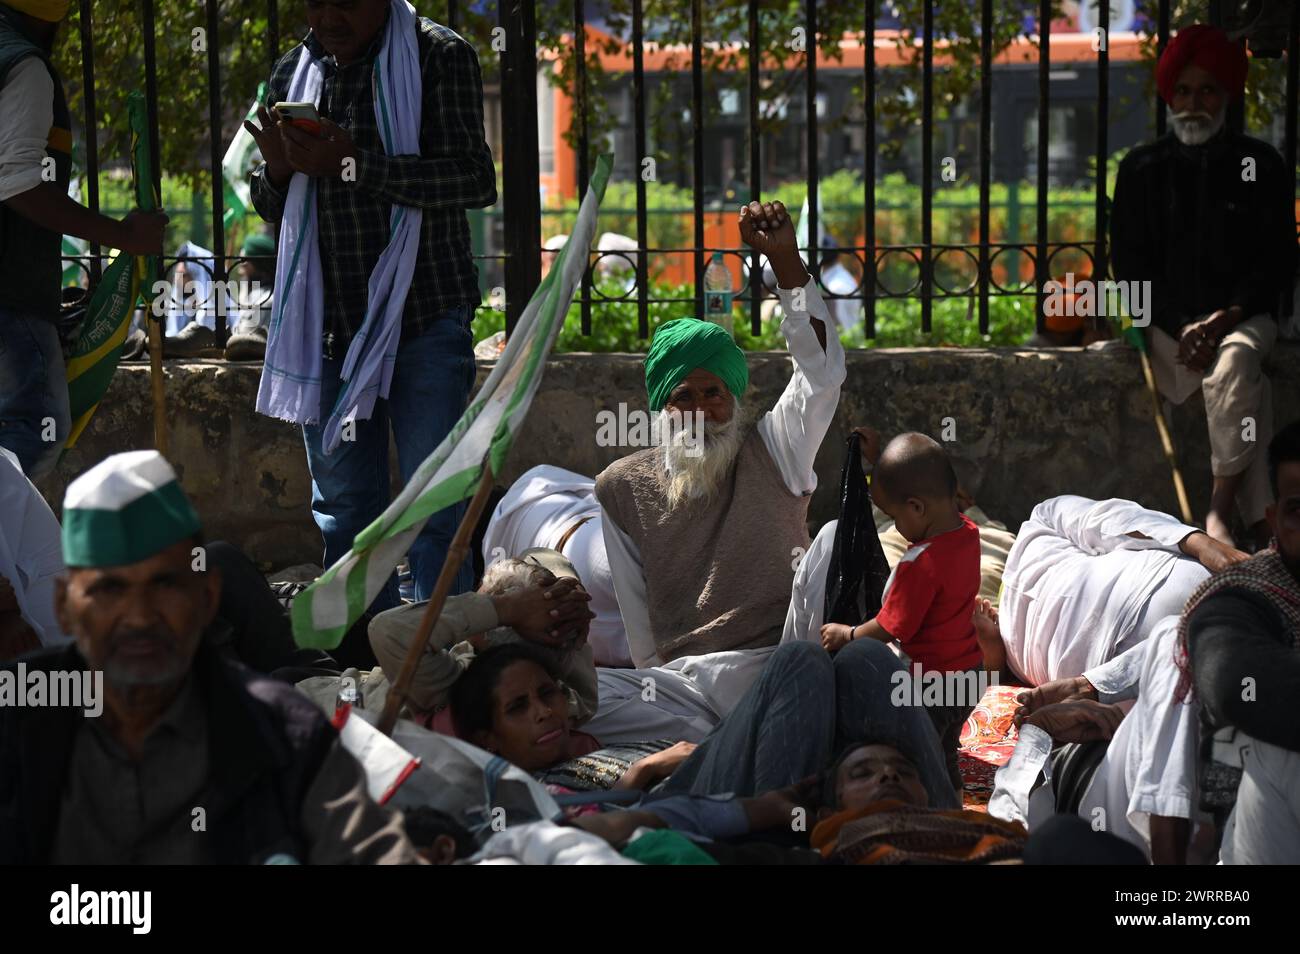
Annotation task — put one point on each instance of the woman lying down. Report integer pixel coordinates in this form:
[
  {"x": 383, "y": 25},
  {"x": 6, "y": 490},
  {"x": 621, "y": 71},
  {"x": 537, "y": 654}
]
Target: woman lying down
[{"x": 472, "y": 682}]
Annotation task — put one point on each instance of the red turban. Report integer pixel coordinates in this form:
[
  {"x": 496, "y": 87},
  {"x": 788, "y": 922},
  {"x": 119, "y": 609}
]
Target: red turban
[{"x": 1209, "y": 48}]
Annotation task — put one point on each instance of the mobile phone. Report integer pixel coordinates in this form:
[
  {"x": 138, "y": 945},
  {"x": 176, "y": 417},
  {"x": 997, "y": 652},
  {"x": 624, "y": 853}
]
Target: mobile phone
[{"x": 301, "y": 115}]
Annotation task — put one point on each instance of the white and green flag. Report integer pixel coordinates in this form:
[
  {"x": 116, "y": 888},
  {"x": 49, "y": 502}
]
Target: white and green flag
[
  {"x": 323, "y": 613},
  {"x": 236, "y": 165}
]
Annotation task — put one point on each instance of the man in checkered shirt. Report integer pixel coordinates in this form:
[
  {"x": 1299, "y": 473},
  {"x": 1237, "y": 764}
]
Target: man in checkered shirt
[{"x": 453, "y": 172}]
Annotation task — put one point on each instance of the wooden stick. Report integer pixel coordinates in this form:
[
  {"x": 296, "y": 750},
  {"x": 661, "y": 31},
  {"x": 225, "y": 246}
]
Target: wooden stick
[
  {"x": 156, "y": 382},
  {"x": 456, "y": 554},
  {"x": 1165, "y": 439}
]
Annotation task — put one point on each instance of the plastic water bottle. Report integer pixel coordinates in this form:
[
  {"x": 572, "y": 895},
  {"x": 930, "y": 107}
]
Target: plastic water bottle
[{"x": 718, "y": 294}]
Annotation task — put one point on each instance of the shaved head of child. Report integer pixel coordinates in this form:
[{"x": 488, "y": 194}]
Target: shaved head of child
[{"x": 914, "y": 482}]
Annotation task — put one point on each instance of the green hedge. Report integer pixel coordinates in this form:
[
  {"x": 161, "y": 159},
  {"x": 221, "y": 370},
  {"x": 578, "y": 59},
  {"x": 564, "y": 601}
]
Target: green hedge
[{"x": 955, "y": 323}]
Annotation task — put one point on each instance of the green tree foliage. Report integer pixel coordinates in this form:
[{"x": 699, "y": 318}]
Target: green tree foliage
[{"x": 245, "y": 57}]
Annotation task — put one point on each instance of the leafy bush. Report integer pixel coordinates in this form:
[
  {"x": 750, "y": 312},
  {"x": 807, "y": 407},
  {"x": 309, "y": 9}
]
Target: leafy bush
[{"x": 955, "y": 323}]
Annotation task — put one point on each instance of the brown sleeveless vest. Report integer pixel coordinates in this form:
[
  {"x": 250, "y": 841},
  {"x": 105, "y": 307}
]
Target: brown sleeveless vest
[{"x": 718, "y": 572}]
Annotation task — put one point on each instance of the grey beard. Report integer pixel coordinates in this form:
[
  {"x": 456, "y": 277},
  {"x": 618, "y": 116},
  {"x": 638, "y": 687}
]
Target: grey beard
[
  {"x": 696, "y": 471},
  {"x": 1199, "y": 130}
]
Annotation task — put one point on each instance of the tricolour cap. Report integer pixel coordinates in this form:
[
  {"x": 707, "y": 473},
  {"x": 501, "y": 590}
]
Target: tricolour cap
[{"x": 124, "y": 509}]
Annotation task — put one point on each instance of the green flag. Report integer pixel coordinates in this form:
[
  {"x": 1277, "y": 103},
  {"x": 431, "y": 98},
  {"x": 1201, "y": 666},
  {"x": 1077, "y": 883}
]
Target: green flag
[
  {"x": 94, "y": 357},
  {"x": 324, "y": 612}
]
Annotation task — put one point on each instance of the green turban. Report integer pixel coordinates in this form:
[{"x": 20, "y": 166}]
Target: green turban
[
  {"x": 681, "y": 346},
  {"x": 258, "y": 244}
]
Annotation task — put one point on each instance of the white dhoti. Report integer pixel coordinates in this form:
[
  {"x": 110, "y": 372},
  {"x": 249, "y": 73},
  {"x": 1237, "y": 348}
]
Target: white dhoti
[
  {"x": 1079, "y": 590},
  {"x": 549, "y": 506},
  {"x": 1238, "y": 404},
  {"x": 31, "y": 549},
  {"x": 1264, "y": 827},
  {"x": 682, "y": 700}
]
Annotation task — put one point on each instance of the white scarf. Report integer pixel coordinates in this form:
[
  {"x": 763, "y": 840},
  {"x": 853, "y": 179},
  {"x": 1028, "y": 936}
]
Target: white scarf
[{"x": 291, "y": 376}]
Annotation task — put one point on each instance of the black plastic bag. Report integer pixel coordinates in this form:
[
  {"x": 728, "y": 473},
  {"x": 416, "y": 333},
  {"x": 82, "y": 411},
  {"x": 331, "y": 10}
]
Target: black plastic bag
[{"x": 856, "y": 577}]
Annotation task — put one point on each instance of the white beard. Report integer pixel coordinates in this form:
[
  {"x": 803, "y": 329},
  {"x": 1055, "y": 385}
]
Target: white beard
[
  {"x": 697, "y": 468},
  {"x": 1197, "y": 128}
]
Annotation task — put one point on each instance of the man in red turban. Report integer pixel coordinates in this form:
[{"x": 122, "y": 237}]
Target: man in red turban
[{"x": 1206, "y": 215}]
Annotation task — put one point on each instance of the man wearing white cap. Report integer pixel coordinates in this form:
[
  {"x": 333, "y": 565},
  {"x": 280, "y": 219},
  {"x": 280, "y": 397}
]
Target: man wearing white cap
[{"x": 195, "y": 758}]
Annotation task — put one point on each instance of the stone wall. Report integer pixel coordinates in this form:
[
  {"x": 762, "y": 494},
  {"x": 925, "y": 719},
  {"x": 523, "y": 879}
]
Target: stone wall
[{"x": 1026, "y": 425}]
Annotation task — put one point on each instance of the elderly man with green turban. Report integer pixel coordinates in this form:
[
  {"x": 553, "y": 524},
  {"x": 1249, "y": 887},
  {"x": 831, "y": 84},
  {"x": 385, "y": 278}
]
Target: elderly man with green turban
[{"x": 703, "y": 532}]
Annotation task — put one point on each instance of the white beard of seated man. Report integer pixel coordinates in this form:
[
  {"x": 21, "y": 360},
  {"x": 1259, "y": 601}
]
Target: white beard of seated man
[
  {"x": 698, "y": 454},
  {"x": 703, "y": 533}
]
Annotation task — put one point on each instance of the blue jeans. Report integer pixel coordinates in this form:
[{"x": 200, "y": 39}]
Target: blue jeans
[
  {"x": 804, "y": 709},
  {"x": 34, "y": 415},
  {"x": 430, "y": 389}
]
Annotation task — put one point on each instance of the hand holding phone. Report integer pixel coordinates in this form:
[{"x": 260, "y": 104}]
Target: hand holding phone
[{"x": 300, "y": 115}]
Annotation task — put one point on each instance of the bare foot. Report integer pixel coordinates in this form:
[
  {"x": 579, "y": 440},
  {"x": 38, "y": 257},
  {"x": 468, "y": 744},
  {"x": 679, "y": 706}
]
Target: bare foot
[
  {"x": 1217, "y": 527},
  {"x": 989, "y": 635},
  {"x": 1211, "y": 554}
]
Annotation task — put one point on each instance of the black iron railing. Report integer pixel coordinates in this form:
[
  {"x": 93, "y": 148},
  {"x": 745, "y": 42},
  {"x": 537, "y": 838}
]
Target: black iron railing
[{"x": 521, "y": 205}]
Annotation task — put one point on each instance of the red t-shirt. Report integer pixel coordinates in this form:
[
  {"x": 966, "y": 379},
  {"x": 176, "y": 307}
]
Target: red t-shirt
[{"x": 930, "y": 598}]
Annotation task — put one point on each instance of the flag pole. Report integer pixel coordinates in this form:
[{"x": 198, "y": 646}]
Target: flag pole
[
  {"x": 156, "y": 382},
  {"x": 1165, "y": 439},
  {"x": 456, "y": 554}
]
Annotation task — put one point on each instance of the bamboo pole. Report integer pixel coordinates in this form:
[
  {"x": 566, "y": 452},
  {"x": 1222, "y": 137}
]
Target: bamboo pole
[
  {"x": 1165, "y": 439},
  {"x": 456, "y": 554},
  {"x": 156, "y": 382}
]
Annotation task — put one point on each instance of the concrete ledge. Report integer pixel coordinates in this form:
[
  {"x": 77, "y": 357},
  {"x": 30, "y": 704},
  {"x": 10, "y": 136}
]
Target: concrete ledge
[{"x": 1028, "y": 425}]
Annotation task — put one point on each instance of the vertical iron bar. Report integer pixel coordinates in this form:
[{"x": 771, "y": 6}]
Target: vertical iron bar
[
  {"x": 986, "y": 155},
  {"x": 580, "y": 105},
  {"x": 519, "y": 156},
  {"x": 1101, "y": 265},
  {"x": 91, "y": 131},
  {"x": 755, "y": 171},
  {"x": 869, "y": 170},
  {"x": 697, "y": 148},
  {"x": 1162, "y": 40},
  {"x": 638, "y": 96},
  {"x": 453, "y": 15},
  {"x": 151, "y": 91},
  {"x": 151, "y": 108},
  {"x": 810, "y": 94},
  {"x": 1292, "y": 90},
  {"x": 927, "y": 165},
  {"x": 217, "y": 304},
  {"x": 273, "y": 30},
  {"x": 1044, "y": 129}
]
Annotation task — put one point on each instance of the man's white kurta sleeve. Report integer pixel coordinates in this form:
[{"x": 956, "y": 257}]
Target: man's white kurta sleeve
[
  {"x": 26, "y": 115},
  {"x": 1014, "y": 782},
  {"x": 1100, "y": 526},
  {"x": 793, "y": 430},
  {"x": 1120, "y": 679},
  {"x": 629, "y": 586}
]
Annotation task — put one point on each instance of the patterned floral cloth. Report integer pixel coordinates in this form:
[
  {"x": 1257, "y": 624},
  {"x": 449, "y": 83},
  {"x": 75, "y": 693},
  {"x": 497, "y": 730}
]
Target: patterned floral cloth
[{"x": 986, "y": 744}]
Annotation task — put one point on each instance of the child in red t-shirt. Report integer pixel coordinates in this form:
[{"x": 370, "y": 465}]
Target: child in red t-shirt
[{"x": 929, "y": 600}]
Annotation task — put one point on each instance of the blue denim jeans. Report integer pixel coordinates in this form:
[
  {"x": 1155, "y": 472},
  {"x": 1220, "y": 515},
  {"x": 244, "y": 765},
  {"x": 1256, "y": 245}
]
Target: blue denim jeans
[
  {"x": 430, "y": 389},
  {"x": 34, "y": 415},
  {"x": 804, "y": 709}
]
